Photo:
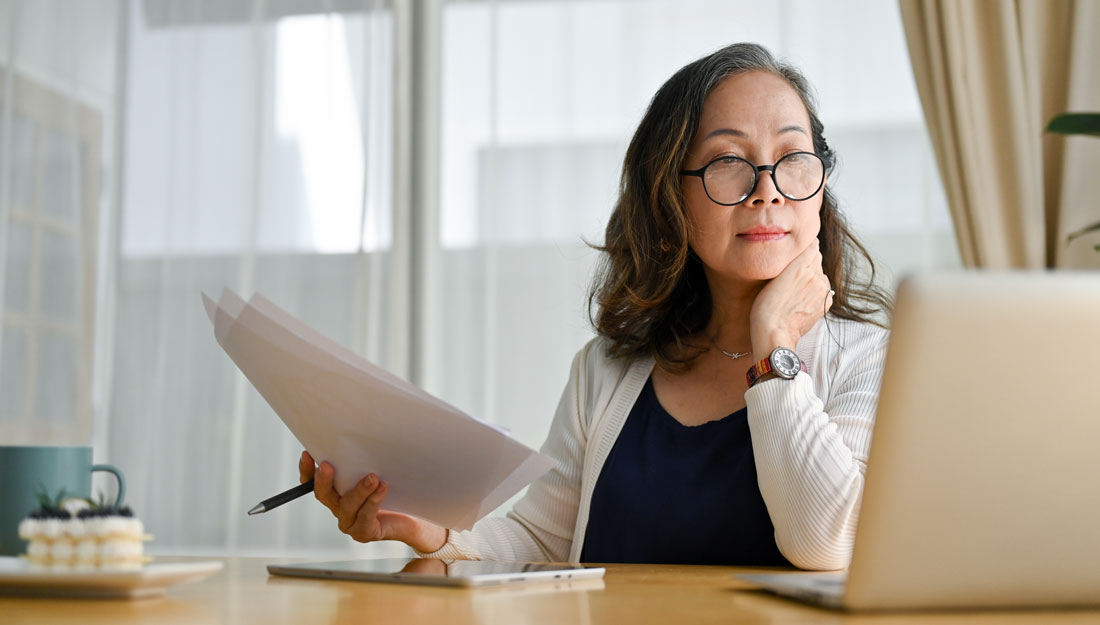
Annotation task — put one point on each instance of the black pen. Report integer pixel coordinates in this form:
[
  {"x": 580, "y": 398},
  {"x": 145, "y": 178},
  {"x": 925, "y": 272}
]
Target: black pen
[{"x": 289, "y": 495}]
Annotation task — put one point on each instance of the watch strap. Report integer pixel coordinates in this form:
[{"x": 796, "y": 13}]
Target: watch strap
[{"x": 758, "y": 370}]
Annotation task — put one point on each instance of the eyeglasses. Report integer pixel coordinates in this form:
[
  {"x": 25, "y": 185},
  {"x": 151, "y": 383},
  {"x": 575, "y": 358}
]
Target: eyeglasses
[{"x": 730, "y": 180}]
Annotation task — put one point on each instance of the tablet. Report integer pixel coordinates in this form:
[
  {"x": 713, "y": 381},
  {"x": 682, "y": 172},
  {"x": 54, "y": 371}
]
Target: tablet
[{"x": 440, "y": 572}]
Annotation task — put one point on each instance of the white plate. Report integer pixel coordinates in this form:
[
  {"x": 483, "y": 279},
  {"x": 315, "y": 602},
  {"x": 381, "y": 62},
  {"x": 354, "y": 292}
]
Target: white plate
[{"x": 152, "y": 580}]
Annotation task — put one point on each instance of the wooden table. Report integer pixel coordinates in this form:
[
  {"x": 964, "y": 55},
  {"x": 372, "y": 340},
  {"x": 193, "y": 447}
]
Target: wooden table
[{"x": 632, "y": 594}]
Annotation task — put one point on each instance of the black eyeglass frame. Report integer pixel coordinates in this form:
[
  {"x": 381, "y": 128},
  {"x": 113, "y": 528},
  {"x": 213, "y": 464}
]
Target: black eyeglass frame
[{"x": 756, "y": 169}]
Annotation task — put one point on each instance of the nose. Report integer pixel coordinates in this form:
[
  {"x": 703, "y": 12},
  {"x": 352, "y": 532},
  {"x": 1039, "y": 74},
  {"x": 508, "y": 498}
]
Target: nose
[{"x": 765, "y": 191}]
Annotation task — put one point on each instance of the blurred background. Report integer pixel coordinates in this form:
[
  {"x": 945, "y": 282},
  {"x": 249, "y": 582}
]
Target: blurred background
[{"x": 416, "y": 180}]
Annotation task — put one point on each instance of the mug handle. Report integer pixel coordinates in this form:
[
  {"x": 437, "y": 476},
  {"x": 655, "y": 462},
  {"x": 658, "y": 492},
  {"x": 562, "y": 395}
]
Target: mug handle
[{"x": 118, "y": 476}]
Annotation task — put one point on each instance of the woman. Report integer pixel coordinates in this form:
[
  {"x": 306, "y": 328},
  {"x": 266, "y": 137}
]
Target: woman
[{"x": 723, "y": 415}]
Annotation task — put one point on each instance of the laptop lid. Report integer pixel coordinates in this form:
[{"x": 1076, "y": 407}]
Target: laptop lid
[{"x": 983, "y": 481}]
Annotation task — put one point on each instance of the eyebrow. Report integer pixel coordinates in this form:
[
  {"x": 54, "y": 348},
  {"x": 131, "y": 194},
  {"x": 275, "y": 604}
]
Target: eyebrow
[{"x": 737, "y": 133}]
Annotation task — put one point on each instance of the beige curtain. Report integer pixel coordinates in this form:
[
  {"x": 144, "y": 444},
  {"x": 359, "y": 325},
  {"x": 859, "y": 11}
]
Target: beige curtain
[{"x": 991, "y": 74}]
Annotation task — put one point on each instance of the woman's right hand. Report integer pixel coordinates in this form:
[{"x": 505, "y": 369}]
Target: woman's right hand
[
  {"x": 790, "y": 304},
  {"x": 359, "y": 511}
]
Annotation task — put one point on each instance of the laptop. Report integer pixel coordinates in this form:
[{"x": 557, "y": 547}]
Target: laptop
[
  {"x": 983, "y": 482},
  {"x": 440, "y": 572}
]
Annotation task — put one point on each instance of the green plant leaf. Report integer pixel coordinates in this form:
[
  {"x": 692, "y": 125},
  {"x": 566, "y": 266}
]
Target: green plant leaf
[
  {"x": 42, "y": 494},
  {"x": 1083, "y": 231},
  {"x": 1076, "y": 124}
]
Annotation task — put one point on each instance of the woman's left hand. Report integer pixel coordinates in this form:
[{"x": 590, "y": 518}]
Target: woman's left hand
[{"x": 790, "y": 304}]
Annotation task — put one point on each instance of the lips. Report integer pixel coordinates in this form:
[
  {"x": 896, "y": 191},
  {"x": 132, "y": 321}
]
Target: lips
[{"x": 762, "y": 233}]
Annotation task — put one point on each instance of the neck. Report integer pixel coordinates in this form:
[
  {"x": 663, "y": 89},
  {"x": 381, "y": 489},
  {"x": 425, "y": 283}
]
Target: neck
[{"x": 731, "y": 304}]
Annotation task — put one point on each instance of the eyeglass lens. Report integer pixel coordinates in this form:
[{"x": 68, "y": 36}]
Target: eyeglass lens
[{"x": 731, "y": 180}]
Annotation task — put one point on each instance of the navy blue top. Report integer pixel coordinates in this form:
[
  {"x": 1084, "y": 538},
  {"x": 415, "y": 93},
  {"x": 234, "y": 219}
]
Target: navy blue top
[{"x": 673, "y": 494}]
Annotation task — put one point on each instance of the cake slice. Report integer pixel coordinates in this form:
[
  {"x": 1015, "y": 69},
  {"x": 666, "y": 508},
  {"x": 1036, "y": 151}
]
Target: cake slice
[{"x": 76, "y": 534}]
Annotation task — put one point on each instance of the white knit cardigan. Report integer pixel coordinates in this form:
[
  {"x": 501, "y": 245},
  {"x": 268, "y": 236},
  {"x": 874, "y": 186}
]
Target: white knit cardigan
[{"x": 810, "y": 437}]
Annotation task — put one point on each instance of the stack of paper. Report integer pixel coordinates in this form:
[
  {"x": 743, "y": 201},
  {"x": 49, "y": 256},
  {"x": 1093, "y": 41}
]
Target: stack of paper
[{"x": 440, "y": 464}]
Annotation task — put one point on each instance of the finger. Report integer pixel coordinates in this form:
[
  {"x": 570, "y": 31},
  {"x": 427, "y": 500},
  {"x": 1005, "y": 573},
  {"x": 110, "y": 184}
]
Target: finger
[
  {"x": 796, "y": 269},
  {"x": 809, "y": 259},
  {"x": 368, "y": 514},
  {"x": 352, "y": 501},
  {"x": 306, "y": 468},
  {"x": 322, "y": 487},
  {"x": 815, "y": 258},
  {"x": 817, "y": 290}
]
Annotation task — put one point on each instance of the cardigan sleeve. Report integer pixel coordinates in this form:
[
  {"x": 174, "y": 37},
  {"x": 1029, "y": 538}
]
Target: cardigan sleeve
[
  {"x": 811, "y": 456},
  {"x": 540, "y": 525}
]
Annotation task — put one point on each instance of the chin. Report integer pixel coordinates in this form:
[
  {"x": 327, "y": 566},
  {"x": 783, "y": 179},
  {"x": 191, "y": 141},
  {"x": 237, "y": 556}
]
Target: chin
[
  {"x": 760, "y": 270},
  {"x": 758, "y": 276}
]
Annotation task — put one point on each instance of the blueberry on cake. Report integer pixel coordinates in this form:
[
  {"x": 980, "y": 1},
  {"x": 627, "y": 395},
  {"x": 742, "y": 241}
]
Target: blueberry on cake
[{"x": 76, "y": 535}]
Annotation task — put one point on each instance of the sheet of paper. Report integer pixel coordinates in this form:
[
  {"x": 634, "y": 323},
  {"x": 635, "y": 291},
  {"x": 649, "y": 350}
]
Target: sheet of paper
[{"x": 440, "y": 463}]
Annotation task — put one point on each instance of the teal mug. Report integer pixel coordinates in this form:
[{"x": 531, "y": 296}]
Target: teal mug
[{"x": 27, "y": 470}]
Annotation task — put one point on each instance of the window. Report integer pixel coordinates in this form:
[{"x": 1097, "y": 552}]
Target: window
[{"x": 53, "y": 147}]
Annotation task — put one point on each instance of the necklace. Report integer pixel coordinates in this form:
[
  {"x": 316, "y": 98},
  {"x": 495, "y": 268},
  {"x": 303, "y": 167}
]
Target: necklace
[
  {"x": 734, "y": 355},
  {"x": 730, "y": 355}
]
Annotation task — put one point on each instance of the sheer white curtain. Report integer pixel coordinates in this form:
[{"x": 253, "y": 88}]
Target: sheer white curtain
[
  {"x": 202, "y": 145},
  {"x": 259, "y": 145},
  {"x": 258, "y": 157}
]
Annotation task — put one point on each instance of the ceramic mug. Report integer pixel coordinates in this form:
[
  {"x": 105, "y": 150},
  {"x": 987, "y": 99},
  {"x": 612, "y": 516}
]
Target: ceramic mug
[{"x": 27, "y": 470}]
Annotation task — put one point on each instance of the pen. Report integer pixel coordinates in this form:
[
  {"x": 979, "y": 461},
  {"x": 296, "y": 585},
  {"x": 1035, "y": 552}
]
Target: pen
[{"x": 283, "y": 497}]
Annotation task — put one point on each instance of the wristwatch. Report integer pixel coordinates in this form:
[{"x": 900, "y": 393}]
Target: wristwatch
[{"x": 784, "y": 362}]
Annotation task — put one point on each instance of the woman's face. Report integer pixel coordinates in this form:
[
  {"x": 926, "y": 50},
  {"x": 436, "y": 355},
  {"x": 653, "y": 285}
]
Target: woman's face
[{"x": 759, "y": 117}]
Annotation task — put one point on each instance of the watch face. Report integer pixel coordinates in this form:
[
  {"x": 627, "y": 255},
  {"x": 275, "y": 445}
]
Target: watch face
[{"x": 785, "y": 362}]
